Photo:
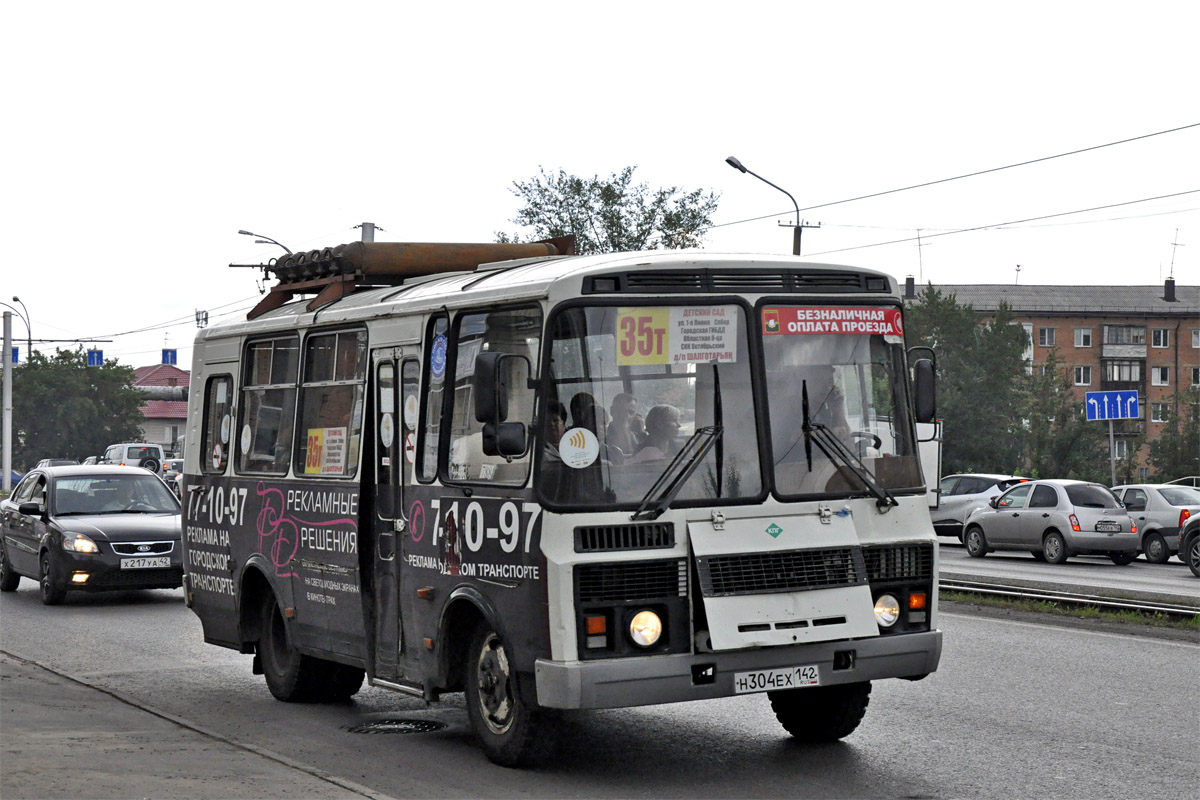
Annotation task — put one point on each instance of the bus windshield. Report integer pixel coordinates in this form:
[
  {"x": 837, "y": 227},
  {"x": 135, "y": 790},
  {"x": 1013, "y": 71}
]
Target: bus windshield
[
  {"x": 627, "y": 387},
  {"x": 849, "y": 365}
]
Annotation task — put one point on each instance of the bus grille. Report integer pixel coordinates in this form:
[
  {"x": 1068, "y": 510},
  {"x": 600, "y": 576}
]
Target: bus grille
[
  {"x": 736, "y": 280},
  {"x": 899, "y": 562},
  {"x": 599, "y": 538},
  {"x": 633, "y": 580},
  {"x": 790, "y": 571}
]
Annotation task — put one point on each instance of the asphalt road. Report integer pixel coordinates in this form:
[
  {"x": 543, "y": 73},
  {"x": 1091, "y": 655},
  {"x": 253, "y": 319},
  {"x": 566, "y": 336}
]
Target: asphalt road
[{"x": 1018, "y": 709}]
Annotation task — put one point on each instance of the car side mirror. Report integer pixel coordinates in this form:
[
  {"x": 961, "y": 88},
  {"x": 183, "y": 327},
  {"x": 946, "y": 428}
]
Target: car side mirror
[
  {"x": 994, "y": 502},
  {"x": 30, "y": 508}
]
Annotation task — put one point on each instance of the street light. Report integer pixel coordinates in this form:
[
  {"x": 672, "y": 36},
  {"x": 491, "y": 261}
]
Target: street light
[
  {"x": 264, "y": 240},
  {"x": 733, "y": 162},
  {"x": 25, "y": 319}
]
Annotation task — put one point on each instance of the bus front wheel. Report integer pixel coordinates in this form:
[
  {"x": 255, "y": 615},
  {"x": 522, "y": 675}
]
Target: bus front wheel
[
  {"x": 511, "y": 731},
  {"x": 291, "y": 676},
  {"x": 822, "y": 713}
]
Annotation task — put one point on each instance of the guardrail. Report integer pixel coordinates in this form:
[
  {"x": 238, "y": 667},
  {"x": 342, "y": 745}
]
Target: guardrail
[{"x": 1174, "y": 610}]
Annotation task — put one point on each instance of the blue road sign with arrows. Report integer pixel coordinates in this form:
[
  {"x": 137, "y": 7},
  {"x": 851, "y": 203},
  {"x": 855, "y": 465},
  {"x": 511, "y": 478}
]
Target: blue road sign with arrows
[{"x": 1112, "y": 405}]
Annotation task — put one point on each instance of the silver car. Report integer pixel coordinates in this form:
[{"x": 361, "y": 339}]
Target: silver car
[
  {"x": 1160, "y": 510},
  {"x": 959, "y": 495},
  {"x": 1053, "y": 520}
]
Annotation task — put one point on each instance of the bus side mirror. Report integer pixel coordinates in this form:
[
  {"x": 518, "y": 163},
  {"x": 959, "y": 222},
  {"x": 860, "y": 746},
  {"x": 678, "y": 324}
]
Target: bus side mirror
[
  {"x": 926, "y": 394},
  {"x": 504, "y": 439},
  {"x": 491, "y": 389}
]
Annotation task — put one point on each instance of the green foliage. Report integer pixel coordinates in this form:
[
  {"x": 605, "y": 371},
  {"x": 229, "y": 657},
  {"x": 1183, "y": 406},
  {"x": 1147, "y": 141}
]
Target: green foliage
[
  {"x": 611, "y": 215},
  {"x": 1059, "y": 441},
  {"x": 62, "y": 408},
  {"x": 1176, "y": 452},
  {"x": 981, "y": 381}
]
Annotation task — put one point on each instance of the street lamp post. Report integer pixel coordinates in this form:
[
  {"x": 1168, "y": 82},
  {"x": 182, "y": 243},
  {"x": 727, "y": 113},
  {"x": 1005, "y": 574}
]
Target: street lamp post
[
  {"x": 24, "y": 318},
  {"x": 264, "y": 240},
  {"x": 799, "y": 227}
]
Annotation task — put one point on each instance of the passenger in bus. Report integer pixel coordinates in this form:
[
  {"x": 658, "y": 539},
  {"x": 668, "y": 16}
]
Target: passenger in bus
[
  {"x": 556, "y": 426},
  {"x": 662, "y": 426},
  {"x": 620, "y": 430}
]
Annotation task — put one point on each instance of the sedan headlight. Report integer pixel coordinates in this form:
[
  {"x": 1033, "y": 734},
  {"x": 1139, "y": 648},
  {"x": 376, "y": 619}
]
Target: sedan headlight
[
  {"x": 79, "y": 543},
  {"x": 887, "y": 610}
]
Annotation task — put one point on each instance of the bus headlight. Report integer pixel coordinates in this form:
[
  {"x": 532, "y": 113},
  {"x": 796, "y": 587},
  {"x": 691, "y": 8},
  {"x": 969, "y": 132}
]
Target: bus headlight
[
  {"x": 887, "y": 610},
  {"x": 645, "y": 628},
  {"x": 79, "y": 543}
]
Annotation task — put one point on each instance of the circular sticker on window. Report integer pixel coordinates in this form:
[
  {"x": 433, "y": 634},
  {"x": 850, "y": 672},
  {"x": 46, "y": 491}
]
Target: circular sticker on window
[
  {"x": 246, "y": 438},
  {"x": 216, "y": 456},
  {"x": 226, "y": 424},
  {"x": 410, "y": 411},
  {"x": 579, "y": 448},
  {"x": 437, "y": 356},
  {"x": 387, "y": 430}
]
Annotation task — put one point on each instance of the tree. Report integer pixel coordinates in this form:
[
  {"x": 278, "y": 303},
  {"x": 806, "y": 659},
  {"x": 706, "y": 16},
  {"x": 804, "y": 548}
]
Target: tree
[
  {"x": 62, "y": 408},
  {"x": 611, "y": 215},
  {"x": 1176, "y": 452},
  {"x": 1059, "y": 442},
  {"x": 981, "y": 381}
]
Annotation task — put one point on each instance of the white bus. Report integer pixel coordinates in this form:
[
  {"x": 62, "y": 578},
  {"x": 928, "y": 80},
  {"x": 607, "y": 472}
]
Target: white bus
[{"x": 560, "y": 482}]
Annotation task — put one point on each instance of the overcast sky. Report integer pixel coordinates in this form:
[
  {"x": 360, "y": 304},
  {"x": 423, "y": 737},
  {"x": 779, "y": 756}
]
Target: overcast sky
[{"x": 140, "y": 137}]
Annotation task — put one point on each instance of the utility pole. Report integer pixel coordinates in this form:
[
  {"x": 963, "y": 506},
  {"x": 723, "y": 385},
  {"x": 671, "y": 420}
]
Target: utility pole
[{"x": 6, "y": 460}]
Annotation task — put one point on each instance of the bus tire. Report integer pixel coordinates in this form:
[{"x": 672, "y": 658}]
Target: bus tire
[
  {"x": 291, "y": 676},
  {"x": 822, "y": 713},
  {"x": 511, "y": 732}
]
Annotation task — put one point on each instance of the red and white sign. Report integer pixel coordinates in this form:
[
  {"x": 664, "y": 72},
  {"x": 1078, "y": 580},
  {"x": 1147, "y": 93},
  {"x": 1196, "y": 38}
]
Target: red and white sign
[{"x": 832, "y": 319}]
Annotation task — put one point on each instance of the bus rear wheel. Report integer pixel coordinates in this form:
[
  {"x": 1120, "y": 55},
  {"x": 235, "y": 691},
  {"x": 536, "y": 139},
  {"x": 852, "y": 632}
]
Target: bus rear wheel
[
  {"x": 823, "y": 713},
  {"x": 291, "y": 676},
  {"x": 511, "y": 731}
]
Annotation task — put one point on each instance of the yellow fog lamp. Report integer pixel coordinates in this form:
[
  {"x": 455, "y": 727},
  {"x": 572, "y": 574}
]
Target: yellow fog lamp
[
  {"x": 80, "y": 577},
  {"x": 645, "y": 628},
  {"x": 887, "y": 610}
]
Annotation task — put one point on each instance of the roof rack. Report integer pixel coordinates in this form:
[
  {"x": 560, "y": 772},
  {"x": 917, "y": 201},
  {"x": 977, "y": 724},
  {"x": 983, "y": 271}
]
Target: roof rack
[{"x": 334, "y": 272}]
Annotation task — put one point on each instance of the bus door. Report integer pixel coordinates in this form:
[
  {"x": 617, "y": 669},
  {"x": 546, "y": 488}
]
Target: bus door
[{"x": 394, "y": 427}]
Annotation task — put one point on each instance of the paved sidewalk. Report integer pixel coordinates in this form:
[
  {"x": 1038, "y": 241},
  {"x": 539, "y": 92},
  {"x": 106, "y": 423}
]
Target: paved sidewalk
[{"x": 63, "y": 739}]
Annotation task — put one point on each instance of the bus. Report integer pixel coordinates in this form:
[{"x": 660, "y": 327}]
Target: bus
[{"x": 557, "y": 482}]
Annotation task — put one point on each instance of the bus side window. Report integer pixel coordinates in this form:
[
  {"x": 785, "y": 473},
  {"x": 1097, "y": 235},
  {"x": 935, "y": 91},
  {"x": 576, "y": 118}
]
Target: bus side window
[
  {"x": 218, "y": 424},
  {"x": 268, "y": 406},
  {"x": 331, "y": 404},
  {"x": 436, "y": 349},
  {"x": 410, "y": 402},
  {"x": 512, "y": 331}
]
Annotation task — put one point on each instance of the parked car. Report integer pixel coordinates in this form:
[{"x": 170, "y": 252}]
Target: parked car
[
  {"x": 962, "y": 494},
  {"x": 90, "y": 529},
  {"x": 1189, "y": 544},
  {"x": 1160, "y": 510},
  {"x": 135, "y": 454},
  {"x": 1053, "y": 520},
  {"x": 172, "y": 470},
  {"x": 55, "y": 462},
  {"x": 91, "y": 460}
]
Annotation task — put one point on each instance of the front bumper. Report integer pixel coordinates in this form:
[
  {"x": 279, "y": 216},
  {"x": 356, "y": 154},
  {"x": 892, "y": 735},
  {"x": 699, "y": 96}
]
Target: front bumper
[
  {"x": 620, "y": 683},
  {"x": 105, "y": 573}
]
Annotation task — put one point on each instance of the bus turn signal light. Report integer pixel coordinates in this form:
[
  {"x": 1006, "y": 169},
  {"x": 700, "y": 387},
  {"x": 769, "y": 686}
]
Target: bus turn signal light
[{"x": 916, "y": 601}]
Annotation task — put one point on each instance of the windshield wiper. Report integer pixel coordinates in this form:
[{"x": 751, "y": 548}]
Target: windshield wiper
[
  {"x": 837, "y": 451},
  {"x": 672, "y": 479}
]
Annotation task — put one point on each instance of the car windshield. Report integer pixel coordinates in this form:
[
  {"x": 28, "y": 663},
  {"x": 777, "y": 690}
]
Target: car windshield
[
  {"x": 1091, "y": 495},
  {"x": 629, "y": 387},
  {"x": 112, "y": 494},
  {"x": 848, "y": 363},
  {"x": 1181, "y": 495}
]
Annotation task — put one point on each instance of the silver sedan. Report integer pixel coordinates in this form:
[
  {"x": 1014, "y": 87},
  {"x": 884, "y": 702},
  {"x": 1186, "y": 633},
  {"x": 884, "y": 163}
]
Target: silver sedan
[{"x": 1053, "y": 520}]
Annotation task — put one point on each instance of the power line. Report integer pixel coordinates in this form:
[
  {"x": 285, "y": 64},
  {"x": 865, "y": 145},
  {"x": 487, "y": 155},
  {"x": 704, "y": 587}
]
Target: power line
[
  {"x": 967, "y": 175},
  {"x": 1004, "y": 224}
]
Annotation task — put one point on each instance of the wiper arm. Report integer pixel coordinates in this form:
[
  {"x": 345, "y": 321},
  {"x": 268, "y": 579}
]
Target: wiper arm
[
  {"x": 672, "y": 479},
  {"x": 837, "y": 451}
]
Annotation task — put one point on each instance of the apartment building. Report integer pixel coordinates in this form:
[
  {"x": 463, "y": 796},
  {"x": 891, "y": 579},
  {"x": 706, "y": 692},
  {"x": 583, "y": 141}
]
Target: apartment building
[{"x": 1109, "y": 338}]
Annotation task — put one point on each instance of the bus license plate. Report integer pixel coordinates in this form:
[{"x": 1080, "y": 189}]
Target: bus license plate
[
  {"x": 769, "y": 680},
  {"x": 145, "y": 563}
]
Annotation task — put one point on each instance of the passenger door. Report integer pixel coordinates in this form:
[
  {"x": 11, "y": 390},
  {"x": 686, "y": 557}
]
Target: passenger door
[
  {"x": 1003, "y": 527},
  {"x": 394, "y": 432},
  {"x": 1036, "y": 518},
  {"x": 23, "y": 532}
]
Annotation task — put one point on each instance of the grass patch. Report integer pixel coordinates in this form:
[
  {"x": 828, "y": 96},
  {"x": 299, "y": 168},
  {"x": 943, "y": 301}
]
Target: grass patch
[{"x": 1074, "y": 611}]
